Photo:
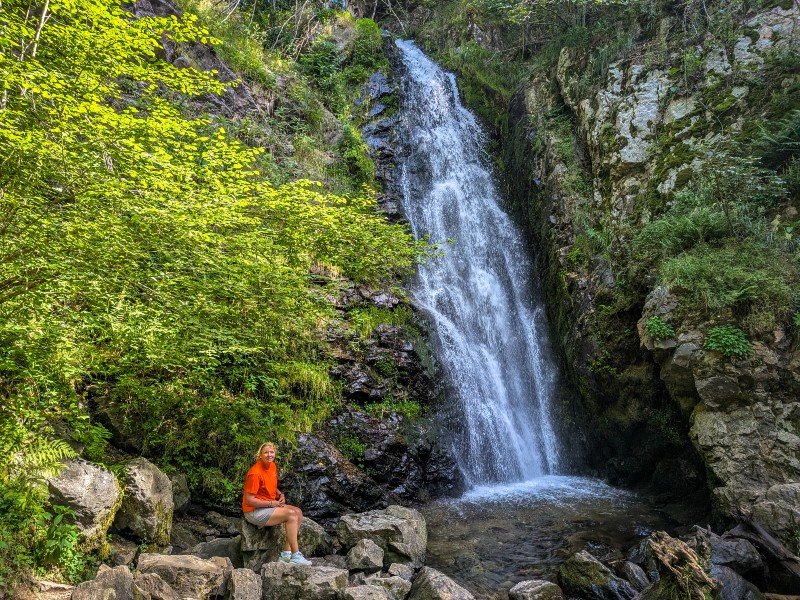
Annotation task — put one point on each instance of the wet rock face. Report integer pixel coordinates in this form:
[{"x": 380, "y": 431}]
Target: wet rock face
[{"x": 638, "y": 142}]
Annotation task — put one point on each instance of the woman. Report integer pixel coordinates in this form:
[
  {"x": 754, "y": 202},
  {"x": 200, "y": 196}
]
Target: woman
[{"x": 264, "y": 505}]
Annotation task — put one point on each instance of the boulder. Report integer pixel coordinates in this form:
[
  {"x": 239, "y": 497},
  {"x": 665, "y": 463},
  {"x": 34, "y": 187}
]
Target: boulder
[
  {"x": 401, "y": 570},
  {"x": 149, "y": 586},
  {"x": 225, "y": 547},
  {"x": 180, "y": 493},
  {"x": 367, "y": 592},
  {"x": 93, "y": 493},
  {"x": 397, "y": 587},
  {"x": 244, "y": 585},
  {"x": 733, "y": 586},
  {"x": 288, "y": 581},
  {"x": 146, "y": 510},
  {"x": 108, "y": 583},
  {"x": 733, "y": 552},
  {"x": 122, "y": 551},
  {"x": 190, "y": 576},
  {"x": 226, "y": 526},
  {"x": 400, "y": 532},
  {"x": 584, "y": 576},
  {"x": 366, "y": 555},
  {"x": 431, "y": 584},
  {"x": 535, "y": 589},
  {"x": 264, "y": 544},
  {"x": 635, "y": 575}
]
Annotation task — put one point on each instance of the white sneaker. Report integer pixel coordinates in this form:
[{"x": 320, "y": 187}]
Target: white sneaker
[
  {"x": 285, "y": 557},
  {"x": 299, "y": 559}
]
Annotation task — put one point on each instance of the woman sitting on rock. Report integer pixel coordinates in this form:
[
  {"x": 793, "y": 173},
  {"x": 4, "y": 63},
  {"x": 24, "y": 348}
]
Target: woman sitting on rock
[{"x": 264, "y": 505}]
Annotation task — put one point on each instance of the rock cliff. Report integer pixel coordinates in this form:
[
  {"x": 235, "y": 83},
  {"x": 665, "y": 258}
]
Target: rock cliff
[{"x": 590, "y": 165}]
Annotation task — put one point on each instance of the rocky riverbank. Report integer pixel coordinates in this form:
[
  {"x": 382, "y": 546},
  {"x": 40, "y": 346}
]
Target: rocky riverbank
[{"x": 373, "y": 555}]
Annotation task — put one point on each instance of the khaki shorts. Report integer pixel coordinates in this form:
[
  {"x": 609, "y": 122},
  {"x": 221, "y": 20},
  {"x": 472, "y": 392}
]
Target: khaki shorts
[{"x": 259, "y": 516}]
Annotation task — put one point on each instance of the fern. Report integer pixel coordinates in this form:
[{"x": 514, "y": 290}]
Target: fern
[{"x": 40, "y": 459}]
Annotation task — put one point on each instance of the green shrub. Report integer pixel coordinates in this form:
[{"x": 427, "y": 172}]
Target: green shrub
[
  {"x": 367, "y": 46},
  {"x": 659, "y": 329},
  {"x": 355, "y": 154},
  {"x": 740, "y": 275},
  {"x": 727, "y": 339},
  {"x": 409, "y": 408}
]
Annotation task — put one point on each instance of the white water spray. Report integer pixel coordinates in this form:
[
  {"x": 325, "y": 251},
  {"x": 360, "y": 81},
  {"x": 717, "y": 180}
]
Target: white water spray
[{"x": 492, "y": 339}]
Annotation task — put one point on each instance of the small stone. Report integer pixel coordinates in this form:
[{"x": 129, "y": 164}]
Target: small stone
[
  {"x": 396, "y": 586},
  {"x": 190, "y": 576},
  {"x": 244, "y": 585},
  {"x": 287, "y": 580},
  {"x": 367, "y": 592},
  {"x": 535, "y": 589},
  {"x": 366, "y": 555},
  {"x": 401, "y": 570},
  {"x": 431, "y": 584}
]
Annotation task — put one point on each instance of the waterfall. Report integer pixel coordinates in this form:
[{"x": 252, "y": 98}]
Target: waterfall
[{"x": 490, "y": 333}]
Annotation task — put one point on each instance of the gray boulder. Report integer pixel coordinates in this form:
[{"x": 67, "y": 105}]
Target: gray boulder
[
  {"x": 93, "y": 493},
  {"x": 367, "y": 592},
  {"x": 225, "y": 547},
  {"x": 366, "y": 555},
  {"x": 288, "y": 581},
  {"x": 151, "y": 586},
  {"x": 109, "y": 583},
  {"x": 190, "y": 576},
  {"x": 146, "y": 511},
  {"x": 244, "y": 585},
  {"x": 584, "y": 576},
  {"x": 733, "y": 586},
  {"x": 395, "y": 586},
  {"x": 431, "y": 584},
  {"x": 122, "y": 551},
  {"x": 635, "y": 575},
  {"x": 263, "y": 545},
  {"x": 733, "y": 552},
  {"x": 535, "y": 589},
  {"x": 180, "y": 493},
  {"x": 401, "y": 570},
  {"x": 400, "y": 532}
]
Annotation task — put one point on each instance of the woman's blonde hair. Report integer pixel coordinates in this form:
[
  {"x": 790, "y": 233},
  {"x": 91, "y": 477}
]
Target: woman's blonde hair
[{"x": 261, "y": 449}]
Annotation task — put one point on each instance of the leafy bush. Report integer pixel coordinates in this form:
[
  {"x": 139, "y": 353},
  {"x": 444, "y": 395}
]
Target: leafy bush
[
  {"x": 727, "y": 339},
  {"x": 658, "y": 328},
  {"x": 741, "y": 276},
  {"x": 367, "y": 46},
  {"x": 149, "y": 270},
  {"x": 356, "y": 156}
]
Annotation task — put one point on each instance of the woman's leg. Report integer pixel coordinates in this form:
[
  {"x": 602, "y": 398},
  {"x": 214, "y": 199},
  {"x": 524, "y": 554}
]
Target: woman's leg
[
  {"x": 287, "y": 516},
  {"x": 299, "y": 514}
]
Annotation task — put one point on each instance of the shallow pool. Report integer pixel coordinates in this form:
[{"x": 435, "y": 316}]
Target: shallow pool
[{"x": 495, "y": 536}]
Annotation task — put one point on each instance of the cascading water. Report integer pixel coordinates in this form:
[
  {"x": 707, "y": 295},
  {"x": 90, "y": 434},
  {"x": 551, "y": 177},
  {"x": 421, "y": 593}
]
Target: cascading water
[{"x": 490, "y": 335}]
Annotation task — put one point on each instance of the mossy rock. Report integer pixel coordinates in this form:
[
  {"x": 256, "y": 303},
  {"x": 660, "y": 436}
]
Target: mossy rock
[{"x": 584, "y": 576}]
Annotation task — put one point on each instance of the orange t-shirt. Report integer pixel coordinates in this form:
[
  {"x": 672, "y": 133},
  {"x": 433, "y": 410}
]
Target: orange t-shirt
[{"x": 261, "y": 481}]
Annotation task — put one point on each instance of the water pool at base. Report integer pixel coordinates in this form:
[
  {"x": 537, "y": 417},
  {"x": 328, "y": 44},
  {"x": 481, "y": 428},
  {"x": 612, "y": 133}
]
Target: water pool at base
[{"x": 496, "y": 536}]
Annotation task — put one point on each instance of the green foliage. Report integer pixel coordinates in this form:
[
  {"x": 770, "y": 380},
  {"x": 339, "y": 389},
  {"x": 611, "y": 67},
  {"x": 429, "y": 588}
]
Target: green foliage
[
  {"x": 352, "y": 447},
  {"x": 364, "y": 320},
  {"x": 409, "y": 408},
  {"x": 716, "y": 245},
  {"x": 738, "y": 275},
  {"x": 658, "y": 329},
  {"x": 355, "y": 155},
  {"x": 367, "y": 47},
  {"x": 149, "y": 269},
  {"x": 727, "y": 339}
]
